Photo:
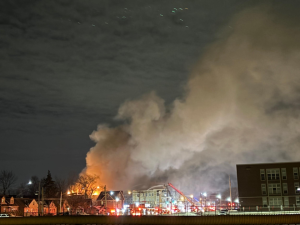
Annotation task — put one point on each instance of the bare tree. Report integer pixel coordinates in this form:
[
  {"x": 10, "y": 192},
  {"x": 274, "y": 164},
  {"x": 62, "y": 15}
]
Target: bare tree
[
  {"x": 7, "y": 179},
  {"x": 74, "y": 202},
  {"x": 71, "y": 181},
  {"x": 22, "y": 190},
  {"x": 88, "y": 184},
  {"x": 62, "y": 185}
]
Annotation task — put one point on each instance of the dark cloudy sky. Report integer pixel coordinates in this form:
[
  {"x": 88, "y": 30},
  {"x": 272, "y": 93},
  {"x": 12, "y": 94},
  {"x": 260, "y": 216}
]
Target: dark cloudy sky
[{"x": 66, "y": 66}]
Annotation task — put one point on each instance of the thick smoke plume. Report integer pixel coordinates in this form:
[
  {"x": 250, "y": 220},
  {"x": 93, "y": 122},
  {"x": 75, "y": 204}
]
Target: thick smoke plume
[{"x": 242, "y": 105}]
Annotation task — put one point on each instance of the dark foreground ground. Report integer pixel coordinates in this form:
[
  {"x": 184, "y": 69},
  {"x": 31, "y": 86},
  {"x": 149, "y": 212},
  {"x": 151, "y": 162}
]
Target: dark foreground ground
[{"x": 150, "y": 220}]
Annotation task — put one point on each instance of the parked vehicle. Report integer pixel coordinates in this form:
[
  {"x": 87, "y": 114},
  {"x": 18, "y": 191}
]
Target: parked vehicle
[
  {"x": 223, "y": 212},
  {"x": 4, "y": 215}
]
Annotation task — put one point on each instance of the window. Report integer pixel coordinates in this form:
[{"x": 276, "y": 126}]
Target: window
[
  {"x": 274, "y": 188},
  {"x": 273, "y": 174},
  {"x": 262, "y": 174},
  {"x": 296, "y": 185},
  {"x": 283, "y": 173},
  {"x": 286, "y": 201},
  {"x": 265, "y": 202},
  {"x": 295, "y": 173},
  {"x": 263, "y": 189},
  {"x": 137, "y": 195},
  {"x": 285, "y": 188},
  {"x": 297, "y": 200},
  {"x": 275, "y": 201}
]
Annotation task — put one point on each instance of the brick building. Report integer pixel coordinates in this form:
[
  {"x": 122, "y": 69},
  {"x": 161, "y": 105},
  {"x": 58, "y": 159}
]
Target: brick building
[
  {"x": 8, "y": 205},
  {"x": 152, "y": 197},
  {"x": 269, "y": 185}
]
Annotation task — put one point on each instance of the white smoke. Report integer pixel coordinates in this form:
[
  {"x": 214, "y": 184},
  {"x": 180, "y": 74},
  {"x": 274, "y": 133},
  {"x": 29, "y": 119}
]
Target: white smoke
[{"x": 241, "y": 106}]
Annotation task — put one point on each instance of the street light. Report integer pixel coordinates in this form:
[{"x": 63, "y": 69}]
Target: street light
[
  {"x": 219, "y": 197},
  {"x": 204, "y": 194},
  {"x": 29, "y": 182}
]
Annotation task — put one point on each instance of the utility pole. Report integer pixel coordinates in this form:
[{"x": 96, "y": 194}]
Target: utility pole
[
  {"x": 39, "y": 199},
  {"x": 43, "y": 201},
  {"x": 105, "y": 200},
  {"x": 230, "y": 193},
  {"x": 160, "y": 201},
  {"x": 60, "y": 202}
]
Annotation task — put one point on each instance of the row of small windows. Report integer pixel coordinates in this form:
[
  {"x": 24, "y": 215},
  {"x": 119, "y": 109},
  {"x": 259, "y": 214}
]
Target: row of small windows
[
  {"x": 277, "y": 201},
  {"x": 150, "y": 194},
  {"x": 274, "y": 174},
  {"x": 276, "y": 188}
]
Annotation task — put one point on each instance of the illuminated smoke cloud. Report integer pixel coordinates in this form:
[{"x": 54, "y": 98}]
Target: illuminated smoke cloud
[{"x": 241, "y": 106}]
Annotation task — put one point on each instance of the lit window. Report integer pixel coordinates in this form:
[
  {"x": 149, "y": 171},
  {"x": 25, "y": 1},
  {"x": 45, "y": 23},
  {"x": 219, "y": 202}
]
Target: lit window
[
  {"x": 286, "y": 201},
  {"x": 283, "y": 173},
  {"x": 274, "y": 188},
  {"x": 275, "y": 201},
  {"x": 295, "y": 173},
  {"x": 297, "y": 200},
  {"x": 296, "y": 185},
  {"x": 273, "y": 174},
  {"x": 265, "y": 202},
  {"x": 285, "y": 188},
  {"x": 263, "y": 189},
  {"x": 262, "y": 174}
]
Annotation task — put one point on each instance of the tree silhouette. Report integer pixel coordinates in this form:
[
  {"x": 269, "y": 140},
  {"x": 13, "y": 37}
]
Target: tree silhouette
[
  {"x": 50, "y": 188},
  {"x": 7, "y": 179}
]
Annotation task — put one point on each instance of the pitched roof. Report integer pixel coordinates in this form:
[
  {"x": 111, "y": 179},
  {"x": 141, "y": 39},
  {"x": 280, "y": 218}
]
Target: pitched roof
[
  {"x": 7, "y": 200},
  {"x": 23, "y": 202},
  {"x": 111, "y": 195}
]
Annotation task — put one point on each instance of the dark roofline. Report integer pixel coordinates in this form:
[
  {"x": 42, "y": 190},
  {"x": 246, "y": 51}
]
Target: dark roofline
[{"x": 266, "y": 163}]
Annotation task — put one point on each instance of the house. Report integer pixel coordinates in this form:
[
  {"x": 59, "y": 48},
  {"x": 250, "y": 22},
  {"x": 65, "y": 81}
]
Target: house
[
  {"x": 96, "y": 210},
  {"x": 49, "y": 208},
  {"x": 114, "y": 200},
  {"x": 27, "y": 207},
  {"x": 78, "y": 204},
  {"x": 8, "y": 205},
  {"x": 63, "y": 208},
  {"x": 267, "y": 186}
]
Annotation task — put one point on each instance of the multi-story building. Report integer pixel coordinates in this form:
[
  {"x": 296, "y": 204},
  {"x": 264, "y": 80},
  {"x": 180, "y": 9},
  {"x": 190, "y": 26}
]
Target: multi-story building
[
  {"x": 269, "y": 185},
  {"x": 151, "y": 198}
]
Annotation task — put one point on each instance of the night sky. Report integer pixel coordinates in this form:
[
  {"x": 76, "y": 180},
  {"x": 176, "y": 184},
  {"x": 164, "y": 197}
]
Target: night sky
[{"x": 67, "y": 66}]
